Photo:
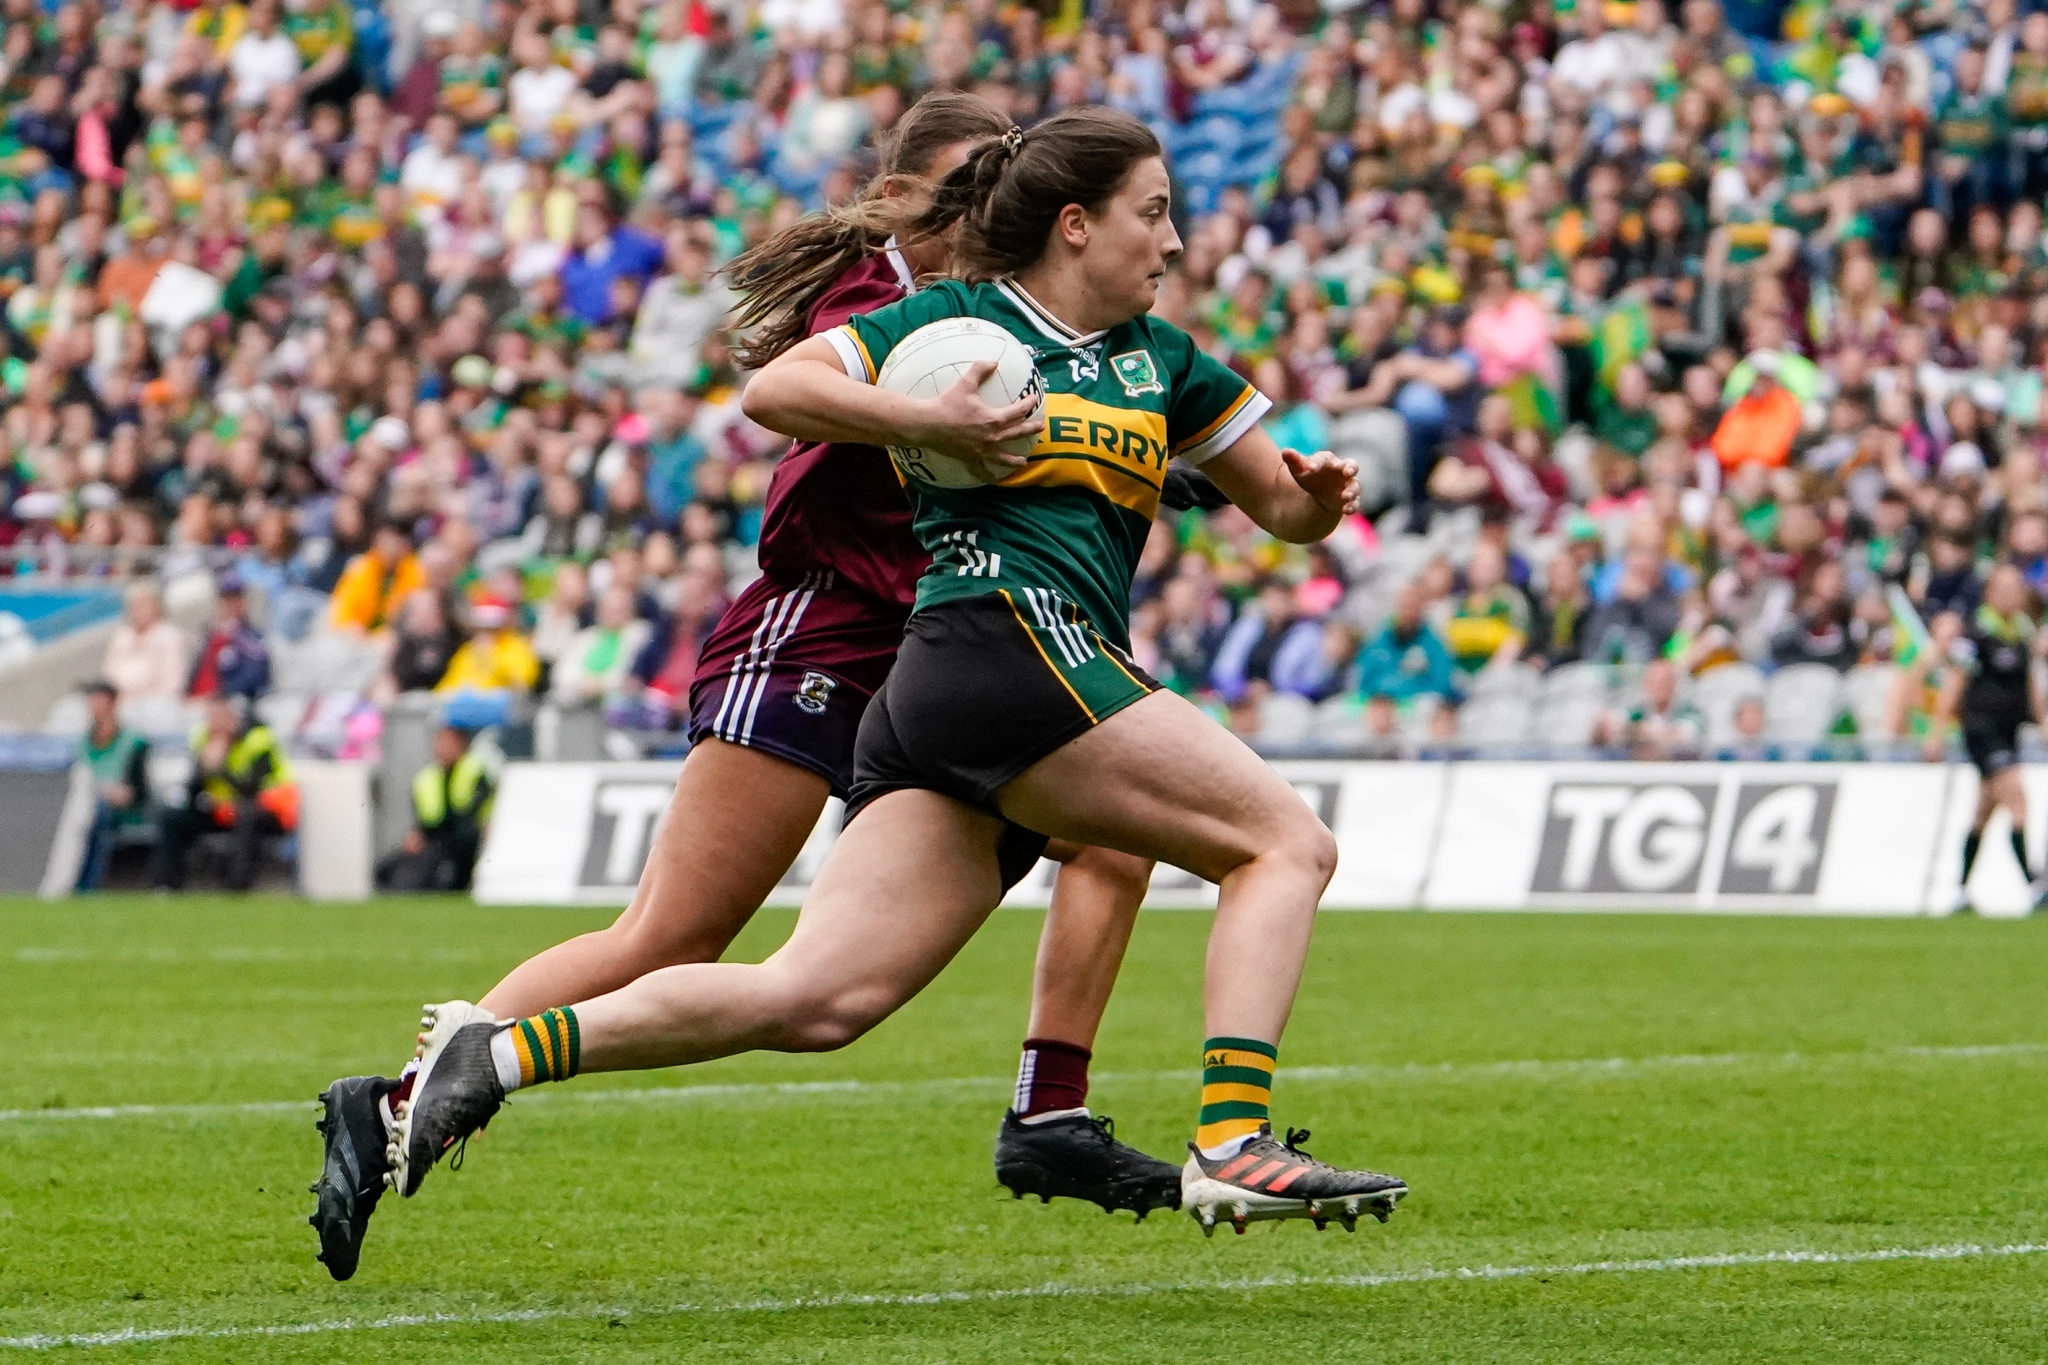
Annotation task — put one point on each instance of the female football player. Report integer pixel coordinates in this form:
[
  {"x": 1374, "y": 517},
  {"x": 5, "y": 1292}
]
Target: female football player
[
  {"x": 1014, "y": 711},
  {"x": 778, "y": 693}
]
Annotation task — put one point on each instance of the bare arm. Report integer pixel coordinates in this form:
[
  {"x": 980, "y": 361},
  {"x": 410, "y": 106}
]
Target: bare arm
[
  {"x": 1945, "y": 702},
  {"x": 1455, "y": 481},
  {"x": 806, "y": 393},
  {"x": 2035, "y": 694},
  {"x": 1446, "y": 374},
  {"x": 1299, "y": 498}
]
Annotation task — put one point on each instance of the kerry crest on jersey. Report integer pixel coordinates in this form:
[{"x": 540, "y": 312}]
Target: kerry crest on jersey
[{"x": 1135, "y": 369}]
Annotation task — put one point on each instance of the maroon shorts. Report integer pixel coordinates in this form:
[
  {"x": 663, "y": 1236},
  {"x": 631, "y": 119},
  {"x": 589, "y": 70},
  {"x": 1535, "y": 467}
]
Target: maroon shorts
[{"x": 790, "y": 668}]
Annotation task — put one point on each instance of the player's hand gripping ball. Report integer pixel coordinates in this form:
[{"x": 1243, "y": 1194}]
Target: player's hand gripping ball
[{"x": 979, "y": 435}]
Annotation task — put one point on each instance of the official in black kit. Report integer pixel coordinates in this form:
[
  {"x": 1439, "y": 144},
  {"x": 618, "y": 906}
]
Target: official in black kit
[{"x": 1992, "y": 694}]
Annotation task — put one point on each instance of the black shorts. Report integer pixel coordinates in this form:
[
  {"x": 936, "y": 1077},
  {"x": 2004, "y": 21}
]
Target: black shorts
[
  {"x": 1992, "y": 740},
  {"x": 983, "y": 688}
]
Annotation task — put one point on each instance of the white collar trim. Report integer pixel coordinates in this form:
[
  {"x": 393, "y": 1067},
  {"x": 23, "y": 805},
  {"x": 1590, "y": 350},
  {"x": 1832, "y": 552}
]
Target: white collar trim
[
  {"x": 1042, "y": 318},
  {"x": 901, "y": 266}
]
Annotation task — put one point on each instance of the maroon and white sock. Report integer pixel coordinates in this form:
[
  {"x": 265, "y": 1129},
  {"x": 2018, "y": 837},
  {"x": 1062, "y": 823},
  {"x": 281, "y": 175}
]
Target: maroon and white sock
[
  {"x": 1052, "y": 1079},
  {"x": 400, "y": 1095}
]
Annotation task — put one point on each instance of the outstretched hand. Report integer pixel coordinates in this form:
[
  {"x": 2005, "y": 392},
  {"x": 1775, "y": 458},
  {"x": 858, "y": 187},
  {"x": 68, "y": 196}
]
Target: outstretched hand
[{"x": 1332, "y": 482}]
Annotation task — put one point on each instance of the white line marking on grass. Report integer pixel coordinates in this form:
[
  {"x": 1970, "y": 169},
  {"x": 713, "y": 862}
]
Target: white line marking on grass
[
  {"x": 1379, "y": 1279},
  {"x": 753, "y": 1090}
]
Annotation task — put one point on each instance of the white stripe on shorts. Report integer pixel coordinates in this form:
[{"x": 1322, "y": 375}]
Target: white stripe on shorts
[
  {"x": 750, "y": 670},
  {"x": 740, "y": 662},
  {"x": 1074, "y": 646},
  {"x": 768, "y": 660},
  {"x": 1045, "y": 623}
]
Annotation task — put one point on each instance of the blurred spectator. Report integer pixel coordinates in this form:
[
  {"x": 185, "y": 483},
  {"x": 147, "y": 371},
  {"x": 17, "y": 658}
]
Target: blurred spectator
[
  {"x": 377, "y": 581},
  {"x": 1501, "y": 470},
  {"x": 146, "y": 655},
  {"x": 1489, "y": 621},
  {"x": 1749, "y": 602},
  {"x": 1626, "y": 425},
  {"x": 562, "y": 617},
  {"x": 271, "y": 568},
  {"x": 1382, "y": 726},
  {"x": 118, "y": 759},
  {"x": 1557, "y": 630},
  {"x": 597, "y": 661},
  {"x": 1273, "y": 645},
  {"x": 1636, "y": 624},
  {"x": 1762, "y": 425},
  {"x": 1184, "y": 635},
  {"x": 242, "y": 787},
  {"x": 1913, "y": 703},
  {"x": 1749, "y": 743},
  {"x": 233, "y": 660},
  {"x": 1434, "y": 386},
  {"x": 666, "y": 666},
  {"x": 422, "y": 646},
  {"x": 562, "y": 527},
  {"x": 1441, "y": 743},
  {"x": 451, "y": 803},
  {"x": 1407, "y": 658},
  {"x": 603, "y": 254},
  {"x": 1820, "y": 629},
  {"x": 1660, "y": 726},
  {"x": 1952, "y": 583},
  {"x": 496, "y": 657}
]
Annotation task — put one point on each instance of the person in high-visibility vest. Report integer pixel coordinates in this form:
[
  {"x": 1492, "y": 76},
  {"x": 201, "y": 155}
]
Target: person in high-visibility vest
[
  {"x": 241, "y": 784},
  {"x": 451, "y": 803}
]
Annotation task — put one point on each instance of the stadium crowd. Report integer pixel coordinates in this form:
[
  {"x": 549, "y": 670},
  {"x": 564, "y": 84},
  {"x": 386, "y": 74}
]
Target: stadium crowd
[{"x": 1682, "y": 339}]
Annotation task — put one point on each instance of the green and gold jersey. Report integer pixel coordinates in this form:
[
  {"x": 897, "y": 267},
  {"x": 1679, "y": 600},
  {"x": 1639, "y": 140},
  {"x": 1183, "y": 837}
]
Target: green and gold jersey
[{"x": 1118, "y": 405}]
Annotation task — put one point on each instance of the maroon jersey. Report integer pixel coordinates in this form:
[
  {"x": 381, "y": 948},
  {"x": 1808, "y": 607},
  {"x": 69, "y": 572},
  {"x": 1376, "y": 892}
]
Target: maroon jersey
[{"x": 841, "y": 507}]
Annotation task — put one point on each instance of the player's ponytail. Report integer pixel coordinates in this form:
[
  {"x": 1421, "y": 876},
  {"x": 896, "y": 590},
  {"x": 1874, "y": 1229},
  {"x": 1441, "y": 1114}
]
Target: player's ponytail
[
  {"x": 781, "y": 278},
  {"x": 1007, "y": 196}
]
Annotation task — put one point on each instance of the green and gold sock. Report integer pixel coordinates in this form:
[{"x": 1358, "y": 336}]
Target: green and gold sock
[
  {"x": 1237, "y": 1087},
  {"x": 547, "y": 1046}
]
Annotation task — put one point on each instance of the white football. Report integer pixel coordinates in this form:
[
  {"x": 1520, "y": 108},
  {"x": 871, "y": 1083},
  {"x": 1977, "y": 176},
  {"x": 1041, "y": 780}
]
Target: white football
[{"x": 931, "y": 360}]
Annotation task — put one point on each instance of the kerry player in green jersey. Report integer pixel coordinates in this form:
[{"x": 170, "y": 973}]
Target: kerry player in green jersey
[{"x": 1014, "y": 712}]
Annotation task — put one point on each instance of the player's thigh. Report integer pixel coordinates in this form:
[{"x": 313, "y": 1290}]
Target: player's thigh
[
  {"x": 905, "y": 886},
  {"x": 1160, "y": 780},
  {"x": 1992, "y": 742},
  {"x": 736, "y": 822}
]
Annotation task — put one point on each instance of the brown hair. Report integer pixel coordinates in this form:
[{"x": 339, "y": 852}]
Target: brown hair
[
  {"x": 1008, "y": 194},
  {"x": 781, "y": 278}
]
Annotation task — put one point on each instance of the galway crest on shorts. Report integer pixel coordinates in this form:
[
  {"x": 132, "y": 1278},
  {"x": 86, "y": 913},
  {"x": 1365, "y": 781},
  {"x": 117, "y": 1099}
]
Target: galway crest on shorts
[{"x": 813, "y": 690}]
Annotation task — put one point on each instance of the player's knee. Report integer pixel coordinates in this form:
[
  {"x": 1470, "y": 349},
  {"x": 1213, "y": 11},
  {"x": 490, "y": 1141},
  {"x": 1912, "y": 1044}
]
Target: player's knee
[
  {"x": 1308, "y": 844},
  {"x": 825, "y": 1021},
  {"x": 1123, "y": 873}
]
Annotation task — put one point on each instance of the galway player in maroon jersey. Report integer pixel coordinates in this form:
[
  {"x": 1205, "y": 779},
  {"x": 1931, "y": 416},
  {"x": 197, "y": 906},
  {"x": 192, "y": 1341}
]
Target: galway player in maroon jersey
[{"x": 774, "y": 707}]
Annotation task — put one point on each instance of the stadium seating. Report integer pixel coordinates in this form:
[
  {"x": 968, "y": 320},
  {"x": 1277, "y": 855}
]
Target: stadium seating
[
  {"x": 1804, "y": 702},
  {"x": 1867, "y": 695},
  {"x": 1500, "y": 719},
  {"x": 1717, "y": 692}
]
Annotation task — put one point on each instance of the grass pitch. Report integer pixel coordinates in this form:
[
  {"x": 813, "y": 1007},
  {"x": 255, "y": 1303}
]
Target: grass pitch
[{"x": 1640, "y": 1139}]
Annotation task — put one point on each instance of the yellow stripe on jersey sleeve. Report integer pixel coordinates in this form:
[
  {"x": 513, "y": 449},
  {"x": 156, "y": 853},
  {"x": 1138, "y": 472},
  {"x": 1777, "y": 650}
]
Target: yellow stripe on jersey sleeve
[
  {"x": 846, "y": 330},
  {"x": 1222, "y": 421}
]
